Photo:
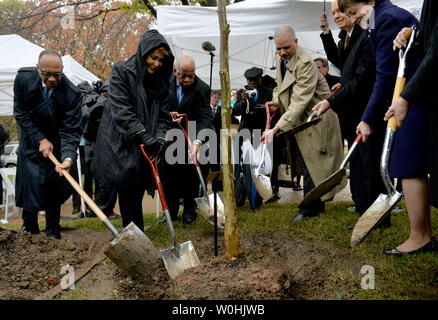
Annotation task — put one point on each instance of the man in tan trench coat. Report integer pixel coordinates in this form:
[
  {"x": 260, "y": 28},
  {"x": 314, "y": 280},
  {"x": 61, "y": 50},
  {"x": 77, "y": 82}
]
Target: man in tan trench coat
[{"x": 297, "y": 92}]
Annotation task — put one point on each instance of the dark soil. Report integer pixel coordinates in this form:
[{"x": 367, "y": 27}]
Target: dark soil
[
  {"x": 31, "y": 264},
  {"x": 274, "y": 266}
]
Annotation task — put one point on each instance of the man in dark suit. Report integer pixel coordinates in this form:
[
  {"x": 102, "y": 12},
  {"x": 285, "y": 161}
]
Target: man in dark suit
[
  {"x": 47, "y": 107},
  {"x": 358, "y": 73},
  {"x": 323, "y": 67},
  {"x": 189, "y": 95}
]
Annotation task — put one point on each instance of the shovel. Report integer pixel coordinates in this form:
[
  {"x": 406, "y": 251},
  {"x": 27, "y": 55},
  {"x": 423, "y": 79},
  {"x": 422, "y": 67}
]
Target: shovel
[
  {"x": 311, "y": 120},
  {"x": 262, "y": 182},
  {"x": 333, "y": 180},
  {"x": 131, "y": 250},
  {"x": 384, "y": 203},
  {"x": 206, "y": 203},
  {"x": 180, "y": 257}
]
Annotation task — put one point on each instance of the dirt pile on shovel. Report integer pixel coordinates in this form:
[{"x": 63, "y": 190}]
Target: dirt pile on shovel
[{"x": 31, "y": 264}]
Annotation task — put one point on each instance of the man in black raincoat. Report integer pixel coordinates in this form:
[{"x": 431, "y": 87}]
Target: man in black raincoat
[
  {"x": 47, "y": 107},
  {"x": 137, "y": 113}
]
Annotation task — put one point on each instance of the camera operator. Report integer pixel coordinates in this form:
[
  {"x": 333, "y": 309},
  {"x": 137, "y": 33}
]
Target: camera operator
[{"x": 250, "y": 105}]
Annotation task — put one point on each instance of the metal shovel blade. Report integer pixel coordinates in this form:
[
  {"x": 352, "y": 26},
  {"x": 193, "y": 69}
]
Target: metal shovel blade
[
  {"x": 324, "y": 187},
  {"x": 301, "y": 127},
  {"x": 180, "y": 258},
  {"x": 134, "y": 253},
  {"x": 262, "y": 184},
  {"x": 206, "y": 206},
  {"x": 375, "y": 214}
]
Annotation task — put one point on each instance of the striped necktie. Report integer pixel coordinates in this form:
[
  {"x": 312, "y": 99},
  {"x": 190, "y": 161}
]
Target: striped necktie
[{"x": 347, "y": 40}]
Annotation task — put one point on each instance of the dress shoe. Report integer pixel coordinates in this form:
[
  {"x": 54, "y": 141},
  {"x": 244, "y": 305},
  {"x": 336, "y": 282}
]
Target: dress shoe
[
  {"x": 34, "y": 230},
  {"x": 274, "y": 198},
  {"x": 430, "y": 246},
  {"x": 53, "y": 234},
  {"x": 189, "y": 220}
]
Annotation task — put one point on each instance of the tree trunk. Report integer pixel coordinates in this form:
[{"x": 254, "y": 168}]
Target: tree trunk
[{"x": 232, "y": 241}]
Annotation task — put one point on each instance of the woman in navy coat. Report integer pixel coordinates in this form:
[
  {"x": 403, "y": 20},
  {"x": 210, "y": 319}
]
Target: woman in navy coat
[
  {"x": 421, "y": 90},
  {"x": 383, "y": 21}
]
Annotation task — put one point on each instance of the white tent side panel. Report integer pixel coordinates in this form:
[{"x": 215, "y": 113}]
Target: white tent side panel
[{"x": 17, "y": 52}]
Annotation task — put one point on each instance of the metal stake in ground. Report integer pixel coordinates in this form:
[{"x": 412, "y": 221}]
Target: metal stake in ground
[{"x": 131, "y": 250}]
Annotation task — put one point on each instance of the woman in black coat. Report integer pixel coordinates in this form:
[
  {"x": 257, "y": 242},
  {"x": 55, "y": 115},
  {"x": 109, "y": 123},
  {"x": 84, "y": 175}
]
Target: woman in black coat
[
  {"x": 420, "y": 90},
  {"x": 137, "y": 113}
]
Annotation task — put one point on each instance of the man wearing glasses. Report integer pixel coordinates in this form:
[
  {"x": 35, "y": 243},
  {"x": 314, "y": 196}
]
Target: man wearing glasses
[{"x": 47, "y": 107}]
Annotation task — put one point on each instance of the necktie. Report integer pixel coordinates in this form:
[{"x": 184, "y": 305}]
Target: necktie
[
  {"x": 179, "y": 94},
  {"x": 214, "y": 112},
  {"x": 347, "y": 40},
  {"x": 46, "y": 93},
  {"x": 283, "y": 68}
]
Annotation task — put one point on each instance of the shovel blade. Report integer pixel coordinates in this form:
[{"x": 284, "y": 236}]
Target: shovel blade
[
  {"x": 133, "y": 252},
  {"x": 206, "y": 206},
  {"x": 375, "y": 214},
  {"x": 178, "y": 259},
  {"x": 323, "y": 188},
  {"x": 262, "y": 184}
]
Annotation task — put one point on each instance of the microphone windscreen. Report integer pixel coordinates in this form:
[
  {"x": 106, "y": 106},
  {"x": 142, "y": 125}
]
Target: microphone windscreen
[{"x": 208, "y": 46}]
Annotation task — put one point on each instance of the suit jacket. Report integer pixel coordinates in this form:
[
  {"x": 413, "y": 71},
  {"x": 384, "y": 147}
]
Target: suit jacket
[
  {"x": 338, "y": 53},
  {"x": 388, "y": 21},
  {"x": 59, "y": 121},
  {"x": 301, "y": 89},
  {"x": 357, "y": 79},
  {"x": 331, "y": 80},
  {"x": 195, "y": 103}
]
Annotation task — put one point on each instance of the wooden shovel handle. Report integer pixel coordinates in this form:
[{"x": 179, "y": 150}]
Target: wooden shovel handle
[
  {"x": 399, "y": 86},
  {"x": 79, "y": 190}
]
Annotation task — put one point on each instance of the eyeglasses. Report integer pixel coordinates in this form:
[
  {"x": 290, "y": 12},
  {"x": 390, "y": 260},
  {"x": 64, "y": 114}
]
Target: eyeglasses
[{"x": 52, "y": 74}]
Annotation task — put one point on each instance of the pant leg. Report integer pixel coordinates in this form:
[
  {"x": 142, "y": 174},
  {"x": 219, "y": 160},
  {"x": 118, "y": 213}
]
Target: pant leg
[
  {"x": 53, "y": 213},
  {"x": 130, "y": 203},
  {"x": 105, "y": 197},
  {"x": 315, "y": 207},
  {"x": 191, "y": 188},
  {"x": 30, "y": 221}
]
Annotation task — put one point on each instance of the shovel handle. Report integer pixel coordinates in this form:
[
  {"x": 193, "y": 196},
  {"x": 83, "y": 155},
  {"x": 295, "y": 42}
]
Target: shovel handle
[
  {"x": 399, "y": 86},
  {"x": 85, "y": 196},
  {"x": 156, "y": 178}
]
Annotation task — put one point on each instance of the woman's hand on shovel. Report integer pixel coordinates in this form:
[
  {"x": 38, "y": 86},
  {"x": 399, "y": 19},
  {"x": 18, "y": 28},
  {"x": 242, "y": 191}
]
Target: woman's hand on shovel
[
  {"x": 65, "y": 165},
  {"x": 399, "y": 109}
]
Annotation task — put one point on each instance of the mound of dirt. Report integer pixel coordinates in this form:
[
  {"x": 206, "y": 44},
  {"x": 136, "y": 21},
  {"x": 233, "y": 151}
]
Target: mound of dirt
[
  {"x": 274, "y": 266},
  {"x": 30, "y": 265}
]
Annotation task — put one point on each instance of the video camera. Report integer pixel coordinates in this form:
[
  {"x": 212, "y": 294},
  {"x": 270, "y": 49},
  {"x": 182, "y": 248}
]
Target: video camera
[{"x": 252, "y": 92}]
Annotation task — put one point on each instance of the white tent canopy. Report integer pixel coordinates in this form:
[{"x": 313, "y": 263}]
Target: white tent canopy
[
  {"x": 17, "y": 52},
  {"x": 252, "y": 25}
]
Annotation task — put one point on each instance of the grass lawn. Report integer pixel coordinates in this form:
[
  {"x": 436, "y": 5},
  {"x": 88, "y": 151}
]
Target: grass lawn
[{"x": 409, "y": 277}]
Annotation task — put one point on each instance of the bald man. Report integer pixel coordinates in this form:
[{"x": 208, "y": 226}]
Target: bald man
[
  {"x": 47, "y": 107},
  {"x": 189, "y": 95}
]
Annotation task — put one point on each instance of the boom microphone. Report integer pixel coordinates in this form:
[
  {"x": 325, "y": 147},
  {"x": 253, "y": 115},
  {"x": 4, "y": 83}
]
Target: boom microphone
[{"x": 208, "y": 46}]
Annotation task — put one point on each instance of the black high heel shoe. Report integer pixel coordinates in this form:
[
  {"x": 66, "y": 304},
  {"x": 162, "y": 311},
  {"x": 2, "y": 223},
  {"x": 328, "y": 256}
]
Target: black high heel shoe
[{"x": 430, "y": 246}]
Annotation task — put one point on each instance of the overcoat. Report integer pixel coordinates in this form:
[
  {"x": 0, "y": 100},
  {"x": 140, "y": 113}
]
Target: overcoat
[
  {"x": 301, "y": 89},
  {"x": 58, "y": 120}
]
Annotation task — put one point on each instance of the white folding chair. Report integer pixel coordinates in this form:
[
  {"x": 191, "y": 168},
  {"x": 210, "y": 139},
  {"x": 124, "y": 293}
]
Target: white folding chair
[{"x": 8, "y": 180}]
